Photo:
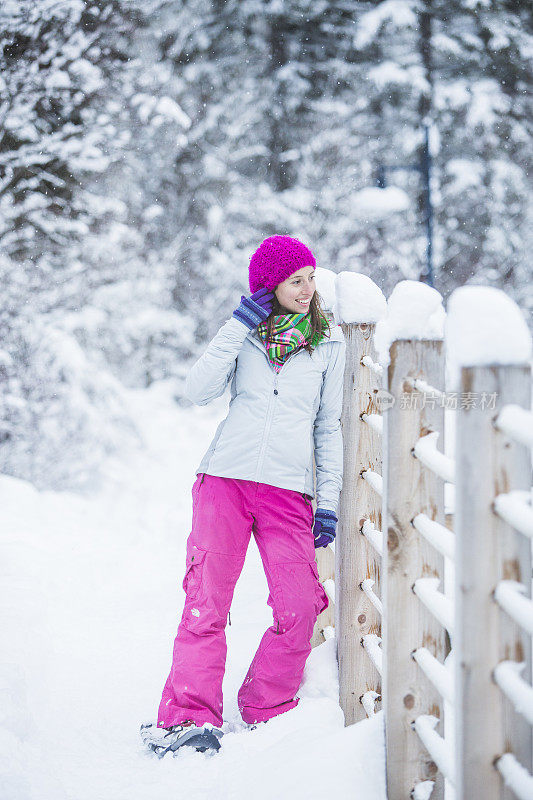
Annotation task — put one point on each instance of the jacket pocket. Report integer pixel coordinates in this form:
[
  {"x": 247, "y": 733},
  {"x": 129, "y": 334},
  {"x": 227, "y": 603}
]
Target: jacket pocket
[
  {"x": 322, "y": 600},
  {"x": 193, "y": 572}
]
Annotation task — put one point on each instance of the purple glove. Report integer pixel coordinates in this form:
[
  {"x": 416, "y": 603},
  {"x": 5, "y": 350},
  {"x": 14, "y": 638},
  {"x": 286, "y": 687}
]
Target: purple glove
[
  {"x": 254, "y": 309},
  {"x": 324, "y": 529}
]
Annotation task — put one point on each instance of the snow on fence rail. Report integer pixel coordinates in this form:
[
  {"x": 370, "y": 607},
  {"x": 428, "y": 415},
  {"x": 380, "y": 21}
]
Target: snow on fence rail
[{"x": 457, "y": 721}]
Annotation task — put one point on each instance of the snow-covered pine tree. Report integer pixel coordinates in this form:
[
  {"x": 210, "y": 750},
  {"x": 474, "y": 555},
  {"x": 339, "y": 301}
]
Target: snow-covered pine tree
[{"x": 58, "y": 413}]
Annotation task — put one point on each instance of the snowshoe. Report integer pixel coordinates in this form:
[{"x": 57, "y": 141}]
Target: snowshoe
[
  {"x": 169, "y": 740},
  {"x": 252, "y": 726}
]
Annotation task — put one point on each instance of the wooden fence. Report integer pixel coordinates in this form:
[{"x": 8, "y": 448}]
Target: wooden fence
[{"x": 434, "y": 618}]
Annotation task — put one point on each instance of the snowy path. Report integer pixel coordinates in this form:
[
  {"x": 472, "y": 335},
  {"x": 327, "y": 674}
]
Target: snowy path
[{"x": 91, "y": 598}]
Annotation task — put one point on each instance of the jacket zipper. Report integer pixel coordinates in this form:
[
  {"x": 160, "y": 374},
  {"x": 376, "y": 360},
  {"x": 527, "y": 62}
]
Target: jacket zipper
[
  {"x": 270, "y": 413},
  {"x": 266, "y": 432}
]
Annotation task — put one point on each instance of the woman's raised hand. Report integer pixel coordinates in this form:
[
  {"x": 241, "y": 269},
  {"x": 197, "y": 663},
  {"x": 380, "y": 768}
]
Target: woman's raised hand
[{"x": 254, "y": 309}]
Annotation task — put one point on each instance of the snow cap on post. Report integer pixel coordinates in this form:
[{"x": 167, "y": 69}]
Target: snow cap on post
[
  {"x": 358, "y": 298},
  {"x": 414, "y": 311},
  {"x": 484, "y": 326},
  {"x": 325, "y": 286}
]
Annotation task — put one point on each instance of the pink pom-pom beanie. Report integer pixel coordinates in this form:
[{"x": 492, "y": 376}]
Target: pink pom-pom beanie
[{"x": 275, "y": 259}]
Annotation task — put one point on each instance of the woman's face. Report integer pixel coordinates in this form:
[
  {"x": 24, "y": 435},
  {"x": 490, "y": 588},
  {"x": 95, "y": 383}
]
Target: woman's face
[{"x": 294, "y": 294}]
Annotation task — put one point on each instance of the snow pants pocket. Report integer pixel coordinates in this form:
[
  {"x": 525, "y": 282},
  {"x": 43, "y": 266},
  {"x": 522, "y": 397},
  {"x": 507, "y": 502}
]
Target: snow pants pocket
[
  {"x": 297, "y": 594},
  {"x": 209, "y": 583},
  {"x": 322, "y": 601},
  {"x": 196, "y": 485},
  {"x": 309, "y": 507},
  {"x": 193, "y": 572}
]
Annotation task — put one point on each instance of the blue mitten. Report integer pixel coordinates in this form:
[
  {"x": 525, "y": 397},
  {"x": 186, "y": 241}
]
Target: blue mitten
[
  {"x": 324, "y": 529},
  {"x": 254, "y": 309}
]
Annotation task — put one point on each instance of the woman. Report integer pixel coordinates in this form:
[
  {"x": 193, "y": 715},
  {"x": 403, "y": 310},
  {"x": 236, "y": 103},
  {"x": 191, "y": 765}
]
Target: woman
[{"x": 286, "y": 368}]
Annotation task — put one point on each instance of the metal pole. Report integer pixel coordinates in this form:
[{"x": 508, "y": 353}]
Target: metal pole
[
  {"x": 428, "y": 206},
  {"x": 424, "y": 167}
]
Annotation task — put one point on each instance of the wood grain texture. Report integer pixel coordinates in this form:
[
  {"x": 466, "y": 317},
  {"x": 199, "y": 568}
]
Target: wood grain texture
[
  {"x": 325, "y": 559},
  {"x": 355, "y": 559},
  {"x": 410, "y": 488},
  {"x": 488, "y": 550}
]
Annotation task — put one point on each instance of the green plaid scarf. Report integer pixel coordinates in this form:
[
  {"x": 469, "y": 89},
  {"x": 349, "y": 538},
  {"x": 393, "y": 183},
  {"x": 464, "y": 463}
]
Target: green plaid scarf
[{"x": 291, "y": 331}]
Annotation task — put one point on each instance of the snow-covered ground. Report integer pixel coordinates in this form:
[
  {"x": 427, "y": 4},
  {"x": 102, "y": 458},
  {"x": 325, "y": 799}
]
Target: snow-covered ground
[{"x": 90, "y": 591}]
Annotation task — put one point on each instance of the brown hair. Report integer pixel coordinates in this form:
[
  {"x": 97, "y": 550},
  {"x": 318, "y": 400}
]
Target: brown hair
[{"x": 316, "y": 313}]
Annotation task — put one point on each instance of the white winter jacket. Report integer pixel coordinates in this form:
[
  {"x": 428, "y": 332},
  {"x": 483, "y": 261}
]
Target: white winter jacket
[{"x": 274, "y": 419}]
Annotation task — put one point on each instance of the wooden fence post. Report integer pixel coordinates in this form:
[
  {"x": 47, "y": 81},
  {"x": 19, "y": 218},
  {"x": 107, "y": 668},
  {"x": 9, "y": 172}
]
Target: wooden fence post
[
  {"x": 409, "y": 489},
  {"x": 355, "y": 559},
  {"x": 488, "y": 551},
  {"x": 325, "y": 559}
]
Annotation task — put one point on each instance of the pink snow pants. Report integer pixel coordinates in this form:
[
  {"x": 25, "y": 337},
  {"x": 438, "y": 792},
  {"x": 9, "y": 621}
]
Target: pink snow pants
[{"x": 225, "y": 512}]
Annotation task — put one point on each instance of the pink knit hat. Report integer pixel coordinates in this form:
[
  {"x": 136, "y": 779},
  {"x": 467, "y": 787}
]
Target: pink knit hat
[{"x": 275, "y": 259}]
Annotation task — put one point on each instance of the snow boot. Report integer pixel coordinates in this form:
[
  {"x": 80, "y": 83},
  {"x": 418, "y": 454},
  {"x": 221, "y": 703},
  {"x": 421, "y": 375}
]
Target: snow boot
[{"x": 169, "y": 740}]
